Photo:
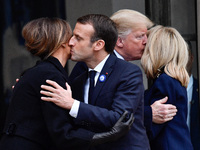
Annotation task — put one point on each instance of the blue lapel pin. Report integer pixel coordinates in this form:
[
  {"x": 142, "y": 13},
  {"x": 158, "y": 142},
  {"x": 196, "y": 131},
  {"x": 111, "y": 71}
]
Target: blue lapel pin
[{"x": 102, "y": 78}]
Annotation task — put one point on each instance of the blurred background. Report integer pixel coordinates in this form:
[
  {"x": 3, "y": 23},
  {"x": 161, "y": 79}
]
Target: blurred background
[{"x": 14, "y": 14}]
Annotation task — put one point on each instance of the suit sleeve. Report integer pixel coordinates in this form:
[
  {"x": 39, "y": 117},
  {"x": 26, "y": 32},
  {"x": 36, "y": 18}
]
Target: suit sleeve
[
  {"x": 122, "y": 92},
  {"x": 161, "y": 88},
  {"x": 147, "y": 117}
]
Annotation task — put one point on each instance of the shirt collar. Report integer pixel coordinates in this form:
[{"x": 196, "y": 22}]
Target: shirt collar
[
  {"x": 118, "y": 55},
  {"x": 190, "y": 83},
  {"x": 99, "y": 67}
]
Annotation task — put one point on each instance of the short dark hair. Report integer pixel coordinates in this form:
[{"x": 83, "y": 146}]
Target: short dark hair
[{"x": 104, "y": 28}]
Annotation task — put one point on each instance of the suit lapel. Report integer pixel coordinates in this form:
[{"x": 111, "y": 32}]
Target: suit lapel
[
  {"x": 103, "y": 77},
  {"x": 78, "y": 86}
]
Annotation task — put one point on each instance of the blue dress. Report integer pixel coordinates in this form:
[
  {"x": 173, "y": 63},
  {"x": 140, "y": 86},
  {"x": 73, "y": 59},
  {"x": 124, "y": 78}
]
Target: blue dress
[{"x": 174, "y": 134}]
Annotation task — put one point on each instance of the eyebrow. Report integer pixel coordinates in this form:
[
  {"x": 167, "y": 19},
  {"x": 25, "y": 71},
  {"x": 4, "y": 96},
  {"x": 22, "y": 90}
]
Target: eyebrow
[{"x": 78, "y": 36}]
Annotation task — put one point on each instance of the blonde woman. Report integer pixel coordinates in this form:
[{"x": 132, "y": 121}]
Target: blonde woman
[{"x": 164, "y": 60}]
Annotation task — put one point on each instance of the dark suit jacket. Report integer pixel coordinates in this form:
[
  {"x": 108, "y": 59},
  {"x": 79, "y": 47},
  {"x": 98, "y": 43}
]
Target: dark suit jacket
[
  {"x": 174, "y": 134},
  {"x": 78, "y": 69},
  {"x": 194, "y": 117},
  {"x": 35, "y": 124},
  {"x": 122, "y": 90},
  {"x": 81, "y": 67}
]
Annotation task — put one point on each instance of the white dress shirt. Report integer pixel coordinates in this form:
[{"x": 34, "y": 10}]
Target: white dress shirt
[{"x": 75, "y": 107}]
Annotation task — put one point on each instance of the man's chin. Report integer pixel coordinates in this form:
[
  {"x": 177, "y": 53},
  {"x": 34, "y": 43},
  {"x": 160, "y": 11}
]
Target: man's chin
[
  {"x": 73, "y": 59},
  {"x": 70, "y": 56}
]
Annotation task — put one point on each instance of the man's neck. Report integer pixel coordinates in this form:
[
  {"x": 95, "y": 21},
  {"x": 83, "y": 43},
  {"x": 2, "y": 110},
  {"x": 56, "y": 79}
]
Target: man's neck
[
  {"x": 99, "y": 67},
  {"x": 96, "y": 60}
]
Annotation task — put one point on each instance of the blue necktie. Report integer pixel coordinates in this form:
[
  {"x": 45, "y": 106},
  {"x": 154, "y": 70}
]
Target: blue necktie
[{"x": 91, "y": 88}]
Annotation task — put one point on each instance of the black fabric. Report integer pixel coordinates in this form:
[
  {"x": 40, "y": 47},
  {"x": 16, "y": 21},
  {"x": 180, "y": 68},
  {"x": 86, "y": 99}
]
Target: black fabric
[{"x": 92, "y": 74}]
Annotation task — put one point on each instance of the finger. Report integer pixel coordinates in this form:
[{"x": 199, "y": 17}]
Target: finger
[
  {"x": 122, "y": 117},
  {"x": 167, "y": 112},
  {"x": 48, "y": 99},
  {"x": 46, "y": 93},
  {"x": 170, "y": 115},
  {"x": 171, "y": 107},
  {"x": 164, "y": 118},
  {"x": 131, "y": 120},
  {"x": 67, "y": 86},
  {"x": 167, "y": 107},
  {"x": 16, "y": 81},
  {"x": 168, "y": 119},
  {"x": 172, "y": 111},
  {"x": 164, "y": 100},
  {"x": 53, "y": 83},
  {"x": 48, "y": 88}
]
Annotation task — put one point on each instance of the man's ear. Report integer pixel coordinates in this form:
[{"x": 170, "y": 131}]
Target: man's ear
[
  {"x": 100, "y": 44},
  {"x": 119, "y": 42}
]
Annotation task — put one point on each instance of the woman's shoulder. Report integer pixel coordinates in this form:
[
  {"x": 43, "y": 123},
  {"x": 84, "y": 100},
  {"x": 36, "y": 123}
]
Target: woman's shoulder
[
  {"x": 41, "y": 67},
  {"x": 43, "y": 70},
  {"x": 48, "y": 66},
  {"x": 165, "y": 78},
  {"x": 166, "y": 81}
]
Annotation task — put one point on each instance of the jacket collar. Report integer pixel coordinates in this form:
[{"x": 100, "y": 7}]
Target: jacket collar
[{"x": 57, "y": 64}]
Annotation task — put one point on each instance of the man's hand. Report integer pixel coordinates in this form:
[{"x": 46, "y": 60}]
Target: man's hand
[
  {"x": 120, "y": 129},
  {"x": 57, "y": 94},
  {"x": 162, "y": 112}
]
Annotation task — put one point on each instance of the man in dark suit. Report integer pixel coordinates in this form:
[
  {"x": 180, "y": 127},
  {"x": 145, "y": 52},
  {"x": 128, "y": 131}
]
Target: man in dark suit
[
  {"x": 32, "y": 124},
  {"x": 193, "y": 120},
  {"x": 132, "y": 27},
  {"x": 118, "y": 85}
]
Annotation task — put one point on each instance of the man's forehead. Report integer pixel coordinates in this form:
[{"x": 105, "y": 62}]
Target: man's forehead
[
  {"x": 140, "y": 29},
  {"x": 83, "y": 29}
]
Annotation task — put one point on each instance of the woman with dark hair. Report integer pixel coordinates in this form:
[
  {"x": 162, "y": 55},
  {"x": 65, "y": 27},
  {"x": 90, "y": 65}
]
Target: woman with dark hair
[{"x": 33, "y": 124}]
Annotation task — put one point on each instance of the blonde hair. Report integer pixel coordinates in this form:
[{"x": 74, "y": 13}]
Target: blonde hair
[
  {"x": 127, "y": 20},
  {"x": 166, "y": 49},
  {"x": 44, "y": 36}
]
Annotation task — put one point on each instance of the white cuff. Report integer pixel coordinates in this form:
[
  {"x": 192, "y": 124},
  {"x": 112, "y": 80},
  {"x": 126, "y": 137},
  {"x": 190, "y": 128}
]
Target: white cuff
[{"x": 74, "y": 110}]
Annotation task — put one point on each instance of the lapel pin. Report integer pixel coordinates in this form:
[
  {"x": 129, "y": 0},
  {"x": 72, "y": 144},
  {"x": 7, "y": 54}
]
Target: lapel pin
[{"x": 102, "y": 78}]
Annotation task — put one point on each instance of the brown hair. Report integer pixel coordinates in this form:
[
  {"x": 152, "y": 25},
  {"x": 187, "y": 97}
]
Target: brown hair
[{"x": 44, "y": 36}]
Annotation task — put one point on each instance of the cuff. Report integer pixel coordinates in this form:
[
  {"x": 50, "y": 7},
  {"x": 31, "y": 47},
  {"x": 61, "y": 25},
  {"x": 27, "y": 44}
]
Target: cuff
[{"x": 74, "y": 110}]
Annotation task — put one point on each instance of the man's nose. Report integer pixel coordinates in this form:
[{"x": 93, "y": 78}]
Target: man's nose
[
  {"x": 71, "y": 41},
  {"x": 145, "y": 39}
]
